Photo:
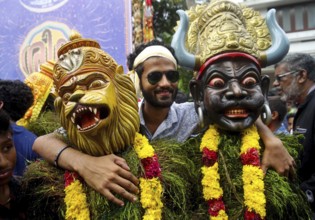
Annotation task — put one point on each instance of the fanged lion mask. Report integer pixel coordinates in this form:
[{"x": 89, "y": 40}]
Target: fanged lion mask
[{"x": 96, "y": 102}]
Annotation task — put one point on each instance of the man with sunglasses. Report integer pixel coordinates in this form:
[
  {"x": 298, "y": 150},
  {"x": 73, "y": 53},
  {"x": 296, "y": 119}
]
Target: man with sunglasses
[
  {"x": 160, "y": 117},
  {"x": 295, "y": 77}
]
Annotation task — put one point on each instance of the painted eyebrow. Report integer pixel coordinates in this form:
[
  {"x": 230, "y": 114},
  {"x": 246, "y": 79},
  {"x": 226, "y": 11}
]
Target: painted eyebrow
[
  {"x": 82, "y": 80},
  {"x": 244, "y": 71}
]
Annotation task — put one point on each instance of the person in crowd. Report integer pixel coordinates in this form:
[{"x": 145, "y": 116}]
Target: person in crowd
[
  {"x": 290, "y": 119},
  {"x": 9, "y": 184},
  {"x": 17, "y": 98},
  {"x": 278, "y": 112},
  {"x": 295, "y": 75}
]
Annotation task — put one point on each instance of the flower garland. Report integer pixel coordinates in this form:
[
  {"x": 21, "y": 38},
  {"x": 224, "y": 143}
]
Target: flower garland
[
  {"x": 254, "y": 197},
  {"x": 75, "y": 199},
  {"x": 150, "y": 186}
]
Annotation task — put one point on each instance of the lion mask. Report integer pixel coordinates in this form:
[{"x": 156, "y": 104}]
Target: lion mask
[{"x": 96, "y": 102}]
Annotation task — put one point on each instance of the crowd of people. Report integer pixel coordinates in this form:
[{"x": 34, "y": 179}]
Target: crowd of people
[{"x": 235, "y": 75}]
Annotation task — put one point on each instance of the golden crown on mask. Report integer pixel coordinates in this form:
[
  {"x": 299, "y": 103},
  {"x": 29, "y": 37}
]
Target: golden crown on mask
[
  {"x": 224, "y": 26},
  {"x": 70, "y": 59}
]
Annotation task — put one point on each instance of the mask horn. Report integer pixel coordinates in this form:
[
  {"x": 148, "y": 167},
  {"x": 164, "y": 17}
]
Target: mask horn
[
  {"x": 185, "y": 58},
  {"x": 280, "y": 42}
]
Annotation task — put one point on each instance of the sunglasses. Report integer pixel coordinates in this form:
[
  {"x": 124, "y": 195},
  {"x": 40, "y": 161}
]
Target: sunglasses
[
  {"x": 155, "y": 77},
  {"x": 280, "y": 76}
]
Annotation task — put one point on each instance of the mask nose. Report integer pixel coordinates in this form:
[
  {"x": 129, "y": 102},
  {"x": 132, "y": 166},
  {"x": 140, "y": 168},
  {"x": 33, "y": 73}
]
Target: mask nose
[
  {"x": 235, "y": 91},
  {"x": 78, "y": 94}
]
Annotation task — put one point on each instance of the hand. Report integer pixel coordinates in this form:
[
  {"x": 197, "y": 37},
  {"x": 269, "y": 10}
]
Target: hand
[
  {"x": 109, "y": 174},
  {"x": 277, "y": 157}
]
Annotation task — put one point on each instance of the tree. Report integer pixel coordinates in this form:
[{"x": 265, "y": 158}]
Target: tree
[{"x": 165, "y": 18}]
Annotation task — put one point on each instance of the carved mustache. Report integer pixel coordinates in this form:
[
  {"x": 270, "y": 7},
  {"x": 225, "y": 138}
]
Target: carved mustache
[{"x": 249, "y": 104}]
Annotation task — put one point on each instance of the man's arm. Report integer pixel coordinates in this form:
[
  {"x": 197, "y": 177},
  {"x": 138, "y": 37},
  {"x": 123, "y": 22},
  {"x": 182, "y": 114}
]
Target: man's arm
[
  {"x": 275, "y": 154},
  {"x": 107, "y": 174}
]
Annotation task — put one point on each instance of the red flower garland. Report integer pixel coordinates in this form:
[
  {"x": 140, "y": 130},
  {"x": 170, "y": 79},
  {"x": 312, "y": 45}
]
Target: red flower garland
[
  {"x": 70, "y": 177},
  {"x": 151, "y": 167},
  {"x": 251, "y": 157},
  {"x": 209, "y": 157},
  {"x": 215, "y": 205},
  {"x": 251, "y": 215}
]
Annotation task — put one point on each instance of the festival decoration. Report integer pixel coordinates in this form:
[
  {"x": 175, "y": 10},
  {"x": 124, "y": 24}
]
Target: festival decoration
[
  {"x": 148, "y": 33},
  {"x": 137, "y": 23},
  {"x": 252, "y": 175},
  {"x": 75, "y": 199},
  {"x": 41, "y": 84},
  {"x": 150, "y": 186},
  {"x": 222, "y": 26}
]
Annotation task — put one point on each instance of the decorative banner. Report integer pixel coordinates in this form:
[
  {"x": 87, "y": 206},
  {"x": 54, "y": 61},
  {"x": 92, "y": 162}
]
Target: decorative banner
[{"x": 32, "y": 31}]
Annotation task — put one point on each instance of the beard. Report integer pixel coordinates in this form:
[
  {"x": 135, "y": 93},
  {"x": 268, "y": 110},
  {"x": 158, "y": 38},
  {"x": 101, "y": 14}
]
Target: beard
[
  {"x": 152, "y": 100},
  {"x": 292, "y": 92}
]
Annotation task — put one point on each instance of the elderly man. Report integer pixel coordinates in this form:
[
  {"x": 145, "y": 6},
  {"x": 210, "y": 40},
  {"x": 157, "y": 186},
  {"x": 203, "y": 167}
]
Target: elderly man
[{"x": 295, "y": 76}]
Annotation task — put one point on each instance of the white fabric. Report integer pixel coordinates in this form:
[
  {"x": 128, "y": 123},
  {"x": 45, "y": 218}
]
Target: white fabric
[{"x": 154, "y": 51}]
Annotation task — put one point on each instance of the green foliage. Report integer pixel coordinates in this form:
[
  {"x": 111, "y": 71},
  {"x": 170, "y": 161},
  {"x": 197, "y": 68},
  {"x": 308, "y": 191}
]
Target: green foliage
[
  {"x": 165, "y": 18},
  {"x": 46, "y": 123},
  {"x": 284, "y": 198},
  {"x": 43, "y": 184},
  {"x": 185, "y": 77}
]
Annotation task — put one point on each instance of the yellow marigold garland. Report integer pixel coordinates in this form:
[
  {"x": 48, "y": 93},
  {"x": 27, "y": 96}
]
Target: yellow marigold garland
[
  {"x": 150, "y": 186},
  {"x": 253, "y": 176},
  {"x": 254, "y": 197},
  {"x": 75, "y": 199}
]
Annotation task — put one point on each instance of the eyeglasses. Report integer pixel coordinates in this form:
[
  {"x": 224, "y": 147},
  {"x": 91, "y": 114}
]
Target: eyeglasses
[
  {"x": 280, "y": 76},
  {"x": 155, "y": 77}
]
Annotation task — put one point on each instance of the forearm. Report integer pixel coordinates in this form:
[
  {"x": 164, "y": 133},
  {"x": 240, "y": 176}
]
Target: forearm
[
  {"x": 275, "y": 154},
  {"x": 264, "y": 132},
  {"x": 48, "y": 146},
  {"x": 105, "y": 174}
]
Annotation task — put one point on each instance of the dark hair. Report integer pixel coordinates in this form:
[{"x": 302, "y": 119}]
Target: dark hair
[
  {"x": 131, "y": 57},
  {"x": 4, "y": 122},
  {"x": 17, "y": 98},
  {"x": 276, "y": 104},
  {"x": 297, "y": 61}
]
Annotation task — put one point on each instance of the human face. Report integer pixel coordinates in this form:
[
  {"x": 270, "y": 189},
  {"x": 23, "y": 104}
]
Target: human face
[
  {"x": 232, "y": 94},
  {"x": 7, "y": 157},
  {"x": 290, "y": 123},
  {"x": 286, "y": 83},
  {"x": 163, "y": 93}
]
